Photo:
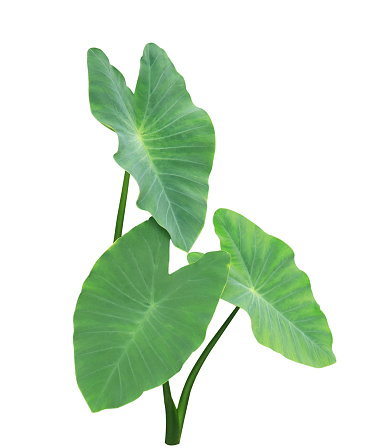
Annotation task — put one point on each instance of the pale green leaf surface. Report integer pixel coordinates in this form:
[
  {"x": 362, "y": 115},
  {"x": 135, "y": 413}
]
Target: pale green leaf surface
[
  {"x": 265, "y": 281},
  {"x": 134, "y": 324},
  {"x": 165, "y": 141}
]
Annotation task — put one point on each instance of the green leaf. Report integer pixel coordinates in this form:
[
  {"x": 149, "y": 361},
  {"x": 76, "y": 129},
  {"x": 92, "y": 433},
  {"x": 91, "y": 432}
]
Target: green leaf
[
  {"x": 192, "y": 257},
  {"x": 165, "y": 141},
  {"x": 134, "y": 324},
  {"x": 265, "y": 281}
]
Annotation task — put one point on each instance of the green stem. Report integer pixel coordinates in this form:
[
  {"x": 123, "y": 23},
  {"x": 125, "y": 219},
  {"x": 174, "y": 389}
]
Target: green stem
[
  {"x": 172, "y": 432},
  {"x": 121, "y": 211},
  {"x": 183, "y": 403}
]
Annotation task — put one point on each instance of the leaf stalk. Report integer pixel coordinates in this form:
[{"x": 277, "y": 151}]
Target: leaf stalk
[
  {"x": 122, "y": 204},
  {"x": 181, "y": 410}
]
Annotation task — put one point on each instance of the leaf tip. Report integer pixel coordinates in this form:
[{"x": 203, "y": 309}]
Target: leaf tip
[
  {"x": 93, "y": 51},
  {"x": 220, "y": 213}
]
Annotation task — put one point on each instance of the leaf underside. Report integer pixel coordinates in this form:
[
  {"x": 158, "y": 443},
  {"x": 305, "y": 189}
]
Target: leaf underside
[
  {"x": 265, "y": 281},
  {"x": 134, "y": 324},
  {"x": 165, "y": 141}
]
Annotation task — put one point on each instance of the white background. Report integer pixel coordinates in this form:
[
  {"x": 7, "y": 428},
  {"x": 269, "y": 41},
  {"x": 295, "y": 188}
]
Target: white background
[{"x": 295, "y": 90}]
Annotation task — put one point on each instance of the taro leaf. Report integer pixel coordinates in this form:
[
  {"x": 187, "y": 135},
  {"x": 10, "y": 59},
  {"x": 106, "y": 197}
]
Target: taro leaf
[
  {"x": 134, "y": 324},
  {"x": 265, "y": 281},
  {"x": 194, "y": 256},
  {"x": 165, "y": 141}
]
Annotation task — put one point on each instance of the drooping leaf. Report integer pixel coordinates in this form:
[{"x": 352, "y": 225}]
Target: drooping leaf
[
  {"x": 165, "y": 141},
  {"x": 134, "y": 324},
  {"x": 265, "y": 281}
]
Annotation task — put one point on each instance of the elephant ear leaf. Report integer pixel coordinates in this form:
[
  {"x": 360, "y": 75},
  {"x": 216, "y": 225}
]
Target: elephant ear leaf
[
  {"x": 134, "y": 324},
  {"x": 165, "y": 141},
  {"x": 192, "y": 257},
  {"x": 265, "y": 281}
]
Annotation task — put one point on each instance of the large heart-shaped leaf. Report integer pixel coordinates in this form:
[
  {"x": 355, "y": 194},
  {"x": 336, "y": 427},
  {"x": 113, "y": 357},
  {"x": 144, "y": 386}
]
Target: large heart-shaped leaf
[
  {"x": 265, "y": 281},
  {"x": 165, "y": 141},
  {"x": 135, "y": 325}
]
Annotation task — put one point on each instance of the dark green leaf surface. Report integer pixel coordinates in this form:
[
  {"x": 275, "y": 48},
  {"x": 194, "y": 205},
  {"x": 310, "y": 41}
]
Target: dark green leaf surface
[
  {"x": 265, "y": 281},
  {"x": 165, "y": 141},
  {"x": 134, "y": 324}
]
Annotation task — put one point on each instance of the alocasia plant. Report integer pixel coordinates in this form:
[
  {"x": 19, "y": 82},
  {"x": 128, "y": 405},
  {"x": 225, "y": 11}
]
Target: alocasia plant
[{"x": 135, "y": 324}]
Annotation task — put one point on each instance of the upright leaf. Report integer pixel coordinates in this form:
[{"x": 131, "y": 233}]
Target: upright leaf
[
  {"x": 134, "y": 324},
  {"x": 165, "y": 141},
  {"x": 265, "y": 281}
]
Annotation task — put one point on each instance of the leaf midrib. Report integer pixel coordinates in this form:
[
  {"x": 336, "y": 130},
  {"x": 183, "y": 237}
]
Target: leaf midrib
[
  {"x": 139, "y": 136},
  {"x": 291, "y": 324},
  {"x": 131, "y": 340},
  {"x": 163, "y": 189}
]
